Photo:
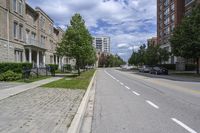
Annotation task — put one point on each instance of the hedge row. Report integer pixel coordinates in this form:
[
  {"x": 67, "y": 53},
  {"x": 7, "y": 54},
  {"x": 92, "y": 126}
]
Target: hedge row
[
  {"x": 15, "y": 67},
  {"x": 54, "y": 66},
  {"x": 190, "y": 67}
]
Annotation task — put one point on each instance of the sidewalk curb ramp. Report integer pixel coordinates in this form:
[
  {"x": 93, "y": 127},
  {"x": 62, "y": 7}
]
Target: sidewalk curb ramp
[{"x": 78, "y": 118}]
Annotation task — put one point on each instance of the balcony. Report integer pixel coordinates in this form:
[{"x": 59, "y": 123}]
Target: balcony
[{"x": 35, "y": 43}]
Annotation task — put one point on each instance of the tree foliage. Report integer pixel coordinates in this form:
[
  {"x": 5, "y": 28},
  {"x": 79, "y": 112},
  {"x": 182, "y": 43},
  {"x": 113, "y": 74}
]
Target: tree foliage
[
  {"x": 109, "y": 60},
  {"x": 185, "y": 41},
  {"x": 77, "y": 43},
  {"x": 149, "y": 56}
]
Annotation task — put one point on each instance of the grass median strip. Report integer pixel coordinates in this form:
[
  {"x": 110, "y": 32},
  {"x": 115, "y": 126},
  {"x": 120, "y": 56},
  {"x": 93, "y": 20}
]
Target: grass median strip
[{"x": 73, "y": 82}]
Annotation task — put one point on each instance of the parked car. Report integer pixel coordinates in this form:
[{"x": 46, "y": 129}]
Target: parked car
[
  {"x": 158, "y": 70},
  {"x": 145, "y": 69},
  {"x": 126, "y": 67}
]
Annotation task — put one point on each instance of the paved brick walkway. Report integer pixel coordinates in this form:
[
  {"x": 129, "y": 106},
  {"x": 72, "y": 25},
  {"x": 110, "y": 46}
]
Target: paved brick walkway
[
  {"x": 39, "y": 110},
  {"x": 5, "y": 93},
  {"x": 7, "y": 85}
]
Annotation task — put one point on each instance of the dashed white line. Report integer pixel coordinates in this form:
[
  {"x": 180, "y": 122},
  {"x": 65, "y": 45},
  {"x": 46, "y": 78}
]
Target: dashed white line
[
  {"x": 183, "y": 125},
  {"x": 152, "y": 104},
  {"x": 121, "y": 83},
  {"x": 135, "y": 93},
  {"x": 127, "y": 87}
]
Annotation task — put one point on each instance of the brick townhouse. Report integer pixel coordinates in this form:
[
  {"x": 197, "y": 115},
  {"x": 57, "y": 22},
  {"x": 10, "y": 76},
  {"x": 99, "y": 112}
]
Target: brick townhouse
[{"x": 28, "y": 35}]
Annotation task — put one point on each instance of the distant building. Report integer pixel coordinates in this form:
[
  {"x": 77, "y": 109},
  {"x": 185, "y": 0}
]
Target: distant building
[
  {"x": 152, "y": 42},
  {"x": 102, "y": 44},
  {"x": 169, "y": 15}
]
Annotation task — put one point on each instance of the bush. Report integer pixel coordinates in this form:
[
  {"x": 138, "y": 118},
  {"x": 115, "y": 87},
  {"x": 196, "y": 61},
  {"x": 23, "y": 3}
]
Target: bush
[
  {"x": 68, "y": 67},
  {"x": 168, "y": 66},
  {"x": 15, "y": 67},
  {"x": 54, "y": 66},
  {"x": 9, "y": 76},
  {"x": 190, "y": 67}
]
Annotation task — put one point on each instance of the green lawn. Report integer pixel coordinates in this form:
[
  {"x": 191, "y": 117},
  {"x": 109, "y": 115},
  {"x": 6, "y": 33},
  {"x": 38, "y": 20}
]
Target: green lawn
[
  {"x": 33, "y": 79},
  {"x": 73, "y": 82}
]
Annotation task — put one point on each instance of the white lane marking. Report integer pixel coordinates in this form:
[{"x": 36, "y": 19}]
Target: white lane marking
[
  {"x": 183, "y": 125},
  {"x": 127, "y": 87},
  {"x": 152, "y": 104},
  {"x": 135, "y": 93},
  {"x": 121, "y": 83},
  {"x": 111, "y": 76}
]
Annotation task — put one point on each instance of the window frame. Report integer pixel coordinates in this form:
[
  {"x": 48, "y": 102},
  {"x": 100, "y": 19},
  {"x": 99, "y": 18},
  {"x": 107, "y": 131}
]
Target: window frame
[
  {"x": 21, "y": 32},
  {"x": 15, "y": 29},
  {"x": 20, "y": 7},
  {"x": 15, "y": 5}
]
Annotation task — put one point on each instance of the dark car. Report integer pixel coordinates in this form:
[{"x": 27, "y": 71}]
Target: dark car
[
  {"x": 145, "y": 69},
  {"x": 158, "y": 70}
]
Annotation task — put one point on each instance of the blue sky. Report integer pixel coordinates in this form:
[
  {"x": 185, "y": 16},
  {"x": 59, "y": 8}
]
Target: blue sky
[{"x": 129, "y": 23}]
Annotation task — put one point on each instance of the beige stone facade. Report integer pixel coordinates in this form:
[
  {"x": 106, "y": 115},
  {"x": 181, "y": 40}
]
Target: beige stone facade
[{"x": 28, "y": 35}]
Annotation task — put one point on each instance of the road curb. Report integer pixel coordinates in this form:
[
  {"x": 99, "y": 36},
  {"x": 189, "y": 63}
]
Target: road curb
[{"x": 78, "y": 118}]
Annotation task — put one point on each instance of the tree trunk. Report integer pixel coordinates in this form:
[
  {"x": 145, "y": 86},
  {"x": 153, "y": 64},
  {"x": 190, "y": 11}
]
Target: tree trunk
[
  {"x": 79, "y": 72},
  {"x": 78, "y": 66},
  {"x": 197, "y": 65}
]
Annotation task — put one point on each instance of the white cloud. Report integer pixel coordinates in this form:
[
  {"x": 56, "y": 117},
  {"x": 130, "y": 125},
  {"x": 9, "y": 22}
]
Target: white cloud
[
  {"x": 123, "y": 45},
  {"x": 127, "y": 22}
]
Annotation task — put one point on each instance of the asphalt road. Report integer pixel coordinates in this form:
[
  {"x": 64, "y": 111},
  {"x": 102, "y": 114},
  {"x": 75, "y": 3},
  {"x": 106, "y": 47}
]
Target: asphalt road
[{"x": 131, "y": 103}]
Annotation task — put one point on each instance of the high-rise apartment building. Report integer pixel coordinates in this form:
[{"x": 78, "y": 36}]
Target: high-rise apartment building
[
  {"x": 169, "y": 15},
  {"x": 102, "y": 44},
  {"x": 152, "y": 42}
]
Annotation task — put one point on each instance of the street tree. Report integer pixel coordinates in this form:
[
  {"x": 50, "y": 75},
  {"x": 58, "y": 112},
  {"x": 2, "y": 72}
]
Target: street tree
[
  {"x": 185, "y": 41},
  {"x": 77, "y": 43},
  {"x": 149, "y": 56},
  {"x": 134, "y": 60}
]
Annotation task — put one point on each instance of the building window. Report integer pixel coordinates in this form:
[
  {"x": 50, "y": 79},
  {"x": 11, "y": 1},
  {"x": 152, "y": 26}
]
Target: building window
[
  {"x": 172, "y": 7},
  {"x": 166, "y": 13},
  {"x": 15, "y": 29},
  {"x": 15, "y": 5},
  {"x": 172, "y": 27},
  {"x": 27, "y": 36},
  {"x": 20, "y": 7},
  {"x": 42, "y": 22},
  {"x": 166, "y": 22},
  {"x": 42, "y": 40},
  {"x": 50, "y": 29},
  {"x": 188, "y": 1},
  {"x": 18, "y": 56},
  {"x": 33, "y": 36},
  {"x": 172, "y": 18},
  {"x": 21, "y": 32},
  {"x": 166, "y": 3}
]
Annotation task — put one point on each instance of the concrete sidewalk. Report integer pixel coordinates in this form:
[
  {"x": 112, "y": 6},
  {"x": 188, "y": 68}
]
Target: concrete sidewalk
[{"x": 18, "y": 89}]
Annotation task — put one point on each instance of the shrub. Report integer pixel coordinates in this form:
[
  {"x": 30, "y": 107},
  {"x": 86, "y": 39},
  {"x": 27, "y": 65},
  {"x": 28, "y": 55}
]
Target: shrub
[
  {"x": 168, "y": 66},
  {"x": 54, "y": 66},
  {"x": 68, "y": 67},
  {"x": 15, "y": 67},
  {"x": 190, "y": 67},
  {"x": 9, "y": 76}
]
